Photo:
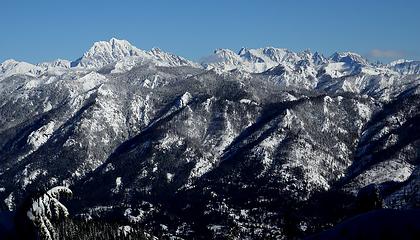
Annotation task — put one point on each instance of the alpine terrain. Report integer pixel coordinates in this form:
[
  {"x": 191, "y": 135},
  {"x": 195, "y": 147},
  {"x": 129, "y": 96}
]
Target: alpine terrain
[{"x": 261, "y": 144}]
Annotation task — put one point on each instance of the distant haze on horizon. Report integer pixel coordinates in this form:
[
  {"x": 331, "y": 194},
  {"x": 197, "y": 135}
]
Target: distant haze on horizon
[{"x": 38, "y": 31}]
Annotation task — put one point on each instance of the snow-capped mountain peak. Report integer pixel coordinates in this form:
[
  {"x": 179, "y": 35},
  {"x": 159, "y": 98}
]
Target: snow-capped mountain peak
[
  {"x": 269, "y": 54},
  {"x": 115, "y": 47},
  {"x": 318, "y": 58},
  {"x": 126, "y": 125},
  {"x": 250, "y": 60},
  {"x": 126, "y": 55},
  {"x": 399, "y": 61},
  {"x": 223, "y": 60},
  {"x": 59, "y": 63},
  {"x": 349, "y": 58},
  {"x": 169, "y": 59},
  {"x": 12, "y": 67},
  {"x": 259, "y": 60},
  {"x": 225, "y": 53},
  {"x": 242, "y": 51},
  {"x": 106, "y": 52},
  {"x": 403, "y": 66}
]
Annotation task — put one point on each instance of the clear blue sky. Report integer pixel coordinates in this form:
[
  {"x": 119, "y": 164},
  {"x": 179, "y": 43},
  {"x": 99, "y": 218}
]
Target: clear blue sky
[{"x": 43, "y": 30}]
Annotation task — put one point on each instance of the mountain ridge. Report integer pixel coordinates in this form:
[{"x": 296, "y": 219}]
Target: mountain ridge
[
  {"x": 102, "y": 53},
  {"x": 264, "y": 143}
]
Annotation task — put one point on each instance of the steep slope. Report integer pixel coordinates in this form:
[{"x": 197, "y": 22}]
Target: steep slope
[
  {"x": 266, "y": 143},
  {"x": 12, "y": 67},
  {"x": 405, "y": 66},
  {"x": 388, "y": 153},
  {"x": 258, "y": 60},
  {"x": 199, "y": 135},
  {"x": 124, "y": 56},
  {"x": 103, "y": 53}
]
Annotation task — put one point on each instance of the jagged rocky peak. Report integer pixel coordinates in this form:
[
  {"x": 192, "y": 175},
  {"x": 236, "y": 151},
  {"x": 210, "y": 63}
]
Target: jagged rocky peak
[
  {"x": 157, "y": 52},
  {"x": 59, "y": 63},
  {"x": 276, "y": 70},
  {"x": 349, "y": 58},
  {"x": 404, "y": 66},
  {"x": 225, "y": 53},
  {"x": 249, "y": 60},
  {"x": 158, "y": 138},
  {"x": 243, "y": 51},
  {"x": 319, "y": 59},
  {"x": 105, "y": 52},
  {"x": 169, "y": 59},
  {"x": 258, "y": 60},
  {"x": 399, "y": 61},
  {"x": 222, "y": 59},
  {"x": 267, "y": 53},
  {"x": 115, "y": 47}
]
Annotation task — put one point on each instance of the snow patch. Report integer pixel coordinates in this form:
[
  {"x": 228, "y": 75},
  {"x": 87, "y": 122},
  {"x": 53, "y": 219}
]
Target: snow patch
[
  {"x": 118, "y": 185},
  {"x": 10, "y": 202},
  {"x": 169, "y": 177},
  {"x": 124, "y": 231},
  {"x": 41, "y": 136},
  {"x": 184, "y": 100}
]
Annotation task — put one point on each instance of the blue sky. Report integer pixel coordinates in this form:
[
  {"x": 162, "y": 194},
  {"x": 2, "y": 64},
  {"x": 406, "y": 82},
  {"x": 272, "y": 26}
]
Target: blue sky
[{"x": 36, "y": 31}]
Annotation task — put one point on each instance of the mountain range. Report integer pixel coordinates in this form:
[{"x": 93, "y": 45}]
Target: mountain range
[{"x": 261, "y": 144}]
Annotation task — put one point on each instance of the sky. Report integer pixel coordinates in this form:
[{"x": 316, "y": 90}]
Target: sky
[{"x": 44, "y": 30}]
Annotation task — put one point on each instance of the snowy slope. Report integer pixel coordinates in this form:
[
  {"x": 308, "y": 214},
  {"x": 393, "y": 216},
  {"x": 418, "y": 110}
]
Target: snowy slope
[
  {"x": 405, "y": 66},
  {"x": 251, "y": 60},
  {"x": 125, "y": 56},
  {"x": 105, "y": 52},
  {"x": 255, "y": 136},
  {"x": 12, "y": 67}
]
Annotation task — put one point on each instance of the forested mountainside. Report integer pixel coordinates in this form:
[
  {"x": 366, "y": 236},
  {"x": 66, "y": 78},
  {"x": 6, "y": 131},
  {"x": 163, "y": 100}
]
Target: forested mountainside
[{"x": 263, "y": 144}]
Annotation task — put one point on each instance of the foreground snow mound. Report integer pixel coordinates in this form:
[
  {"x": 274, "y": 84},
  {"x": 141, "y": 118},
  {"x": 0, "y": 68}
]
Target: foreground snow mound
[{"x": 46, "y": 208}]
